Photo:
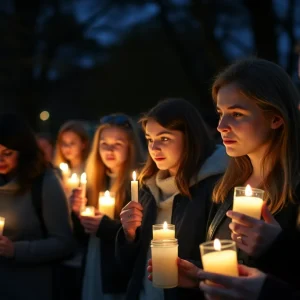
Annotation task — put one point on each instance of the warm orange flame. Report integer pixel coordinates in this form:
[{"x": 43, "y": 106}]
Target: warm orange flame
[
  {"x": 248, "y": 191},
  {"x": 106, "y": 194},
  {"x": 83, "y": 178},
  {"x": 217, "y": 245}
]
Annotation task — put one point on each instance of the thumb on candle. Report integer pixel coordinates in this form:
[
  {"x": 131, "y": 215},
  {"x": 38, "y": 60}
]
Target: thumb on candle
[{"x": 266, "y": 214}]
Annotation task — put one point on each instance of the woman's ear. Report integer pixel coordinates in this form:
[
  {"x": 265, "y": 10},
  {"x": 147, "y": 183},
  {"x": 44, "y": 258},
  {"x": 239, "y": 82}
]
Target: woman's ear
[{"x": 277, "y": 121}]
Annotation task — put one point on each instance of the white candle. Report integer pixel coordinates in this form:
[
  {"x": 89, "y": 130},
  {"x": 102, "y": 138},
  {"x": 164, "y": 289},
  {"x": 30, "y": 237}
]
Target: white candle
[
  {"x": 88, "y": 211},
  {"x": 107, "y": 204},
  {"x": 83, "y": 182},
  {"x": 134, "y": 188},
  {"x": 219, "y": 258},
  {"x": 73, "y": 182},
  {"x": 163, "y": 231},
  {"x": 164, "y": 263},
  {"x": 2, "y": 222},
  {"x": 65, "y": 170},
  {"x": 248, "y": 201}
]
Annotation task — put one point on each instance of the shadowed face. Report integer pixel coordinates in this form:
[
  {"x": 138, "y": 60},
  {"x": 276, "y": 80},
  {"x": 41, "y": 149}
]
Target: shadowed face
[{"x": 8, "y": 160}]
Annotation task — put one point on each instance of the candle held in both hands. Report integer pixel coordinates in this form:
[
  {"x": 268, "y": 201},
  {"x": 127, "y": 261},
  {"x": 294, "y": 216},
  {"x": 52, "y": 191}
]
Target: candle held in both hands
[
  {"x": 107, "y": 204},
  {"x": 248, "y": 201},
  {"x": 163, "y": 231},
  {"x": 134, "y": 188}
]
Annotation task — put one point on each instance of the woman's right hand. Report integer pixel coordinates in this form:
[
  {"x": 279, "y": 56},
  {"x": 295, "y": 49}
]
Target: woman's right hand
[
  {"x": 77, "y": 201},
  {"x": 187, "y": 273},
  {"x": 131, "y": 218}
]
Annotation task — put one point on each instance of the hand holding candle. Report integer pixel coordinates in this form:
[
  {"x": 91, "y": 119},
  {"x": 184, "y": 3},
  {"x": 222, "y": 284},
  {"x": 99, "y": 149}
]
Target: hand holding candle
[{"x": 134, "y": 188}]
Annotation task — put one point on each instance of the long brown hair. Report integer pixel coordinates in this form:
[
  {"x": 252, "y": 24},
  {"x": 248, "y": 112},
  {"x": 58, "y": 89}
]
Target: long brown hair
[
  {"x": 274, "y": 92},
  {"x": 96, "y": 170},
  {"x": 79, "y": 128},
  {"x": 16, "y": 134},
  {"x": 181, "y": 115}
]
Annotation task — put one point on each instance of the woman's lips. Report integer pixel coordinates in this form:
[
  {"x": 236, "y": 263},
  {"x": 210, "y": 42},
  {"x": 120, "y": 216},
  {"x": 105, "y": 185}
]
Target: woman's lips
[
  {"x": 159, "y": 158},
  {"x": 228, "y": 142}
]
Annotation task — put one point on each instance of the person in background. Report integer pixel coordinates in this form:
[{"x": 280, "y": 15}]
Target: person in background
[
  {"x": 72, "y": 146},
  {"x": 37, "y": 230},
  {"x": 115, "y": 154},
  {"x": 175, "y": 186}
]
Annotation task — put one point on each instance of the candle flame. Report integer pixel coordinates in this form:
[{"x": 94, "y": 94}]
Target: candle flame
[
  {"x": 106, "y": 194},
  {"x": 217, "y": 245},
  {"x": 64, "y": 167},
  {"x": 83, "y": 178},
  {"x": 248, "y": 191},
  {"x": 134, "y": 175},
  {"x": 165, "y": 225},
  {"x": 74, "y": 177}
]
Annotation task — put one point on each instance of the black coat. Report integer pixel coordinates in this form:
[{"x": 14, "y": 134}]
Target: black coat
[
  {"x": 283, "y": 255},
  {"x": 190, "y": 219}
]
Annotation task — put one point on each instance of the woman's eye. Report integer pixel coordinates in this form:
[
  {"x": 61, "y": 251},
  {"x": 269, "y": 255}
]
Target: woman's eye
[
  {"x": 219, "y": 114},
  {"x": 164, "y": 139},
  {"x": 149, "y": 140},
  {"x": 7, "y": 154},
  {"x": 236, "y": 114}
]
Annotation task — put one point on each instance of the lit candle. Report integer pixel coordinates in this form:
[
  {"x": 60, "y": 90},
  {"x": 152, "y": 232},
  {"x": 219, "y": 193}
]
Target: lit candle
[
  {"x": 219, "y": 257},
  {"x": 248, "y": 201},
  {"x": 2, "y": 222},
  {"x": 83, "y": 182},
  {"x": 134, "y": 188},
  {"x": 73, "y": 182},
  {"x": 65, "y": 170},
  {"x": 163, "y": 231},
  {"x": 164, "y": 263},
  {"x": 88, "y": 211},
  {"x": 107, "y": 204}
]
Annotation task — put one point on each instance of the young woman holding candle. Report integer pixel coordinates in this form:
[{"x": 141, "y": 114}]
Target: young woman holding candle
[
  {"x": 37, "y": 230},
  {"x": 259, "y": 124},
  {"x": 175, "y": 186},
  {"x": 115, "y": 153}
]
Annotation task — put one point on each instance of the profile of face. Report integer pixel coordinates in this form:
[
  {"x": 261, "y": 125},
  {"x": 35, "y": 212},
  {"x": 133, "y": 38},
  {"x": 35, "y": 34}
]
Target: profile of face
[
  {"x": 8, "y": 160},
  {"x": 113, "y": 147},
  {"x": 165, "y": 146},
  {"x": 244, "y": 128},
  {"x": 46, "y": 147},
  {"x": 71, "y": 145}
]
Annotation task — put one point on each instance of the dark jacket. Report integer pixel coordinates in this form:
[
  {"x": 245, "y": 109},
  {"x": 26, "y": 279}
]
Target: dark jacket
[
  {"x": 189, "y": 217},
  {"x": 113, "y": 279},
  {"x": 282, "y": 256},
  {"x": 274, "y": 288}
]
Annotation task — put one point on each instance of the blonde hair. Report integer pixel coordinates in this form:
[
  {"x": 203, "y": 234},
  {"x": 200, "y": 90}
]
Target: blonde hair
[
  {"x": 96, "y": 170},
  {"x": 77, "y": 127},
  {"x": 274, "y": 93}
]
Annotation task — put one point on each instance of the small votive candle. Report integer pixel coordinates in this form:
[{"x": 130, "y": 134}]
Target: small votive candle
[
  {"x": 163, "y": 231},
  {"x": 248, "y": 201},
  {"x": 107, "y": 204},
  {"x": 219, "y": 256},
  {"x": 164, "y": 263},
  {"x": 2, "y": 223},
  {"x": 88, "y": 211}
]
